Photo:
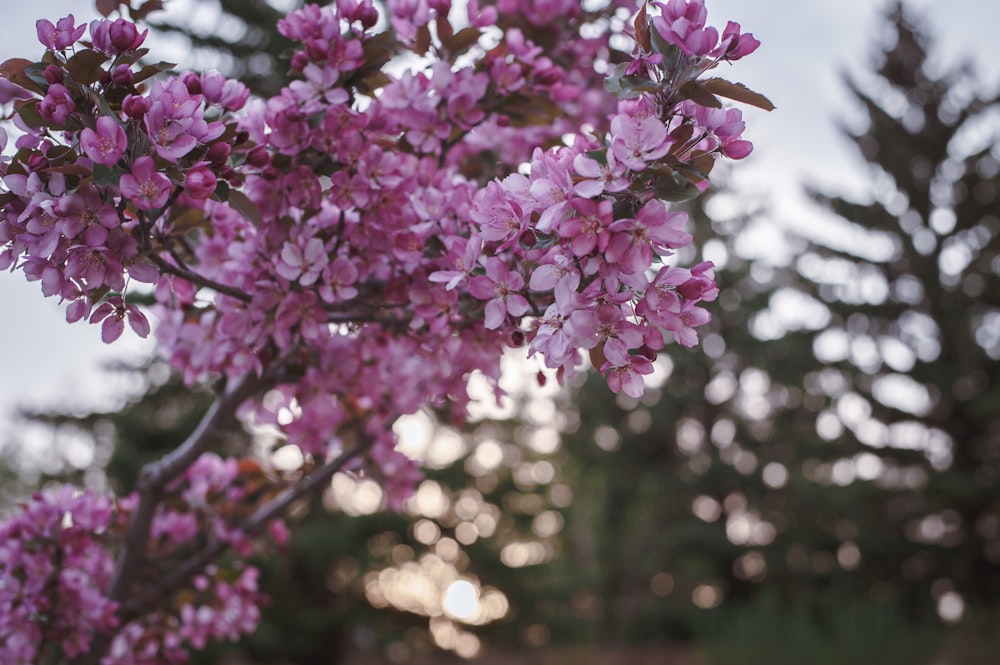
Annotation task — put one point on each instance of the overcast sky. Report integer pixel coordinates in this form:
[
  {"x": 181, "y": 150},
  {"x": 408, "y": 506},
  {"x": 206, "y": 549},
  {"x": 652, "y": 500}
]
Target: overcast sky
[{"x": 805, "y": 46}]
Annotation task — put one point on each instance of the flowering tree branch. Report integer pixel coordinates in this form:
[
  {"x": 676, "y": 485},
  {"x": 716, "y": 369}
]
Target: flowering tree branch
[
  {"x": 350, "y": 250},
  {"x": 154, "y": 477},
  {"x": 313, "y": 483}
]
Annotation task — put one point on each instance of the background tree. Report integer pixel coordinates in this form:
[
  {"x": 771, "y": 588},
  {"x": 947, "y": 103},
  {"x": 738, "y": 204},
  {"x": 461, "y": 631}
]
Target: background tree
[{"x": 827, "y": 477}]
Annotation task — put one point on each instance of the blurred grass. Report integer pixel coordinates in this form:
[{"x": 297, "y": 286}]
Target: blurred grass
[{"x": 851, "y": 632}]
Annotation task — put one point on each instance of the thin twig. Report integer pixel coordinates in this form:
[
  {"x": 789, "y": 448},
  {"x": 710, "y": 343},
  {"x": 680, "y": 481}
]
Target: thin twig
[{"x": 200, "y": 280}]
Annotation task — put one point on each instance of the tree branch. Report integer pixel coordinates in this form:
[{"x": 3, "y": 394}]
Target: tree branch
[
  {"x": 152, "y": 481},
  {"x": 195, "y": 278},
  {"x": 191, "y": 566}
]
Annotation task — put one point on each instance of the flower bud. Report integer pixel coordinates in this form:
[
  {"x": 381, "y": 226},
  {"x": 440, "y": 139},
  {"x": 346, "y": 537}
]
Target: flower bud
[
  {"x": 368, "y": 15},
  {"x": 218, "y": 153},
  {"x": 125, "y": 36},
  {"x": 299, "y": 61},
  {"x": 258, "y": 157},
  {"x": 37, "y": 162},
  {"x": 548, "y": 75},
  {"x": 200, "y": 182},
  {"x": 135, "y": 106},
  {"x": 53, "y": 74},
  {"x": 192, "y": 82},
  {"x": 122, "y": 76}
]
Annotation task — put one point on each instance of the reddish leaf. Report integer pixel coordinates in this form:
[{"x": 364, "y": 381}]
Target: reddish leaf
[
  {"x": 462, "y": 40},
  {"x": 14, "y": 71},
  {"x": 737, "y": 92},
  {"x": 105, "y": 7},
  {"x": 444, "y": 29},
  {"x": 152, "y": 70},
  {"x": 642, "y": 30},
  {"x": 423, "y": 40},
  {"x": 697, "y": 93},
  {"x": 85, "y": 66},
  {"x": 239, "y": 202},
  {"x": 146, "y": 8},
  {"x": 597, "y": 357}
]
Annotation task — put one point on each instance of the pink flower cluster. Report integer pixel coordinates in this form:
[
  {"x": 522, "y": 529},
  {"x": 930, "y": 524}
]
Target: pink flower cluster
[
  {"x": 364, "y": 241},
  {"x": 54, "y": 567},
  {"x": 56, "y": 562},
  {"x": 222, "y": 605}
]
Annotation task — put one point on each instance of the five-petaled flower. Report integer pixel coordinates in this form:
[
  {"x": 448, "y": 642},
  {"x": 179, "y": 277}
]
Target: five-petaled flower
[
  {"x": 502, "y": 287},
  {"x": 106, "y": 143},
  {"x": 145, "y": 186}
]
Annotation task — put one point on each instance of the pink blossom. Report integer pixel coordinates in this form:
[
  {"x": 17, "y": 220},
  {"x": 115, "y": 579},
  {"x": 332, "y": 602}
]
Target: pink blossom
[
  {"x": 735, "y": 45},
  {"x": 228, "y": 93},
  {"x": 57, "y": 105},
  {"x": 200, "y": 182},
  {"x": 636, "y": 141},
  {"x": 106, "y": 143},
  {"x": 144, "y": 186},
  {"x": 501, "y": 287},
  {"x": 302, "y": 263},
  {"x": 339, "y": 278},
  {"x": 627, "y": 377},
  {"x": 599, "y": 178},
  {"x": 60, "y": 36},
  {"x": 116, "y": 37}
]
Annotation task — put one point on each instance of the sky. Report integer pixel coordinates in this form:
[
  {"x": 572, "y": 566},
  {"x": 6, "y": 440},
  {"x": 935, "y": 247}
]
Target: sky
[{"x": 806, "y": 46}]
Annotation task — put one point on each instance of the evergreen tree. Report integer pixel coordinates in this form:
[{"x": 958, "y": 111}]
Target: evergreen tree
[
  {"x": 840, "y": 446},
  {"x": 911, "y": 350}
]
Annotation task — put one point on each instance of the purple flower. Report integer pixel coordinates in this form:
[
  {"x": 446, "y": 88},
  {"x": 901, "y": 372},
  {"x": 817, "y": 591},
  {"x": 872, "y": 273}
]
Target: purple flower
[
  {"x": 57, "y": 105},
  {"x": 60, "y": 36},
  {"x": 146, "y": 187},
  {"x": 638, "y": 141},
  {"x": 116, "y": 37},
  {"x": 200, "y": 181},
  {"x": 106, "y": 143},
  {"x": 502, "y": 288}
]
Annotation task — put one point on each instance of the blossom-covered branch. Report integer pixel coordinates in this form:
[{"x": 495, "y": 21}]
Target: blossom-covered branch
[{"x": 350, "y": 250}]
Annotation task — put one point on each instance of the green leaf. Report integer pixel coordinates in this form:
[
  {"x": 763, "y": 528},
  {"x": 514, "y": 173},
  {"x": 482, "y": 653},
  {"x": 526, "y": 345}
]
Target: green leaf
[
  {"x": 221, "y": 191},
  {"x": 628, "y": 87},
  {"x": 737, "y": 92},
  {"x": 674, "y": 187},
  {"x": 30, "y": 115},
  {"x": 107, "y": 176},
  {"x": 664, "y": 48},
  {"x": 105, "y": 108},
  {"x": 36, "y": 72},
  {"x": 85, "y": 66}
]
